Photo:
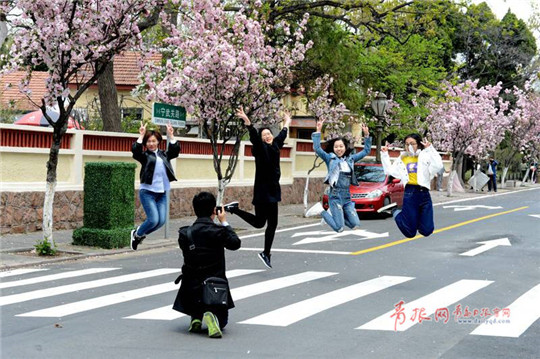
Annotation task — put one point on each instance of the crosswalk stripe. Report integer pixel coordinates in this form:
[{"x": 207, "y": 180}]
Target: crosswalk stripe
[
  {"x": 430, "y": 303},
  {"x": 166, "y": 313},
  {"x": 106, "y": 300},
  {"x": 48, "y": 278},
  {"x": 524, "y": 311},
  {"x": 49, "y": 292},
  {"x": 14, "y": 272},
  {"x": 293, "y": 313}
]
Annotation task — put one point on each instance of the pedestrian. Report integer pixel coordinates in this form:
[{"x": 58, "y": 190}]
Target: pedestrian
[
  {"x": 340, "y": 163},
  {"x": 415, "y": 167},
  {"x": 491, "y": 171},
  {"x": 534, "y": 168},
  {"x": 266, "y": 190},
  {"x": 440, "y": 175},
  {"x": 155, "y": 177},
  {"x": 203, "y": 248}
]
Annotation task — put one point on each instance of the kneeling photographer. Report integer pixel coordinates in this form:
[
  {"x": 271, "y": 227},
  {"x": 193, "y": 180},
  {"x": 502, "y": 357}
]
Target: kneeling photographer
[{"x": 204, "y": 292}]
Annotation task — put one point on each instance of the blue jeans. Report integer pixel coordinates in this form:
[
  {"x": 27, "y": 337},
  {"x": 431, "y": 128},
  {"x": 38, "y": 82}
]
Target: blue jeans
[
  {"x": 155, "y": 207},
  {"x": 342, "y": 210},
  {"x": 417, "y": 212}
]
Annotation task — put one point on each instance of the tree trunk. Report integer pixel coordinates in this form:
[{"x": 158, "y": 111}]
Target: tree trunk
[
  {"x": 48, "y": 202},
  {"x": 503, "y": 177},
  {"x": 108, "y": 99},
  {"x": 526, "y": 177},
  {"x": 222, "y": 183}
]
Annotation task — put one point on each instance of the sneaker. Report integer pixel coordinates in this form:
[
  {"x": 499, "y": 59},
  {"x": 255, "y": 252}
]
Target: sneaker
[
  {"x": 265, "y": 259},
  {"x": 315, "y": 210},
  {"x": 135, "y": 239},
  {"x": 195, "y": 326},
  {"x": 387, "y": 208},
  {"x": 230, "y": 207},
  {"x": 213, "y": 325}
]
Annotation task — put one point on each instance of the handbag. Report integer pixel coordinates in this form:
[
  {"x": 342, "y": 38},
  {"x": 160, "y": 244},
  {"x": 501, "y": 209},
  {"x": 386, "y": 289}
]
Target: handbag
[{"x": 215, "y": 291}]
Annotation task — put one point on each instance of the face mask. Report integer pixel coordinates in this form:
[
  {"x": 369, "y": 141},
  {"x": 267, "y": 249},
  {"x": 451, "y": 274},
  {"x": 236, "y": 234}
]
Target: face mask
[{"x": 411, "y": 149}]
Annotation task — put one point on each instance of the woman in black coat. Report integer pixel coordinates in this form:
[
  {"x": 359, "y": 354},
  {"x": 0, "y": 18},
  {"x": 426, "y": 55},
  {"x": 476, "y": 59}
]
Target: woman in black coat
[
  {"x": 266, "y": 191},
  {"x": 156, "y": 175}
]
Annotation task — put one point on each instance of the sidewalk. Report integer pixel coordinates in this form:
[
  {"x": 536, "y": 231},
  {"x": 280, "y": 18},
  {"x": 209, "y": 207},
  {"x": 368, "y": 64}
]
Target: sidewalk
[{"x": 14, "y": 249}]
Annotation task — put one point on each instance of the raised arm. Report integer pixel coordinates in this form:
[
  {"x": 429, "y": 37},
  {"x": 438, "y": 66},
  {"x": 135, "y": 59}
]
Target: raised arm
[
  {"x": 316, "y": 137},
  {"x": 367, "y": 145},
  {"x": 282, "y": 135}
]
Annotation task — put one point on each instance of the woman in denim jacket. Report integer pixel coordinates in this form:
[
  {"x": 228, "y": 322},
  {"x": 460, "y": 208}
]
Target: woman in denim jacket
[{"x": 340, "y": 164}]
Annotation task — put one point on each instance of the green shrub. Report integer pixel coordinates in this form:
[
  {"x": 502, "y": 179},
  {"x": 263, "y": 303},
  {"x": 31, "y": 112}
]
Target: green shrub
[
  {"x": 109, "y": 205},
  {"x": 109, "y": 195},
  {"x": 103, "y": 238},
  {"x": 45, "y": 248}
]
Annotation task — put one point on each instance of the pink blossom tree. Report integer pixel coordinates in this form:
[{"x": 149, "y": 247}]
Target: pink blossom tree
[
  {"x": 523, "y": 131},
  {"x": 217, "y": 62},
  {"x": 74, "y": 40},
  {"x": 468, "y": 120}
]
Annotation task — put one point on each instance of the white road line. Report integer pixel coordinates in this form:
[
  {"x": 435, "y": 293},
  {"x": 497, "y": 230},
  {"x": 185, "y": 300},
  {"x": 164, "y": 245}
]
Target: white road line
[
  {"x": 282, "y": 230},
  {"x": 524, "y": 311},
  {"x": 106, "y": 300},
  {"x": 484, "y": 197},
  {"x": 20, "y": 271},
  {"x": 429, "y": 304},
  {"x": 49, "y": 292},
  {"x": 297, "y": 251},
  {"x": 293, "y": 313},
  {"x": 166, "y": 313},
  {"x": 48, "y": 278}
]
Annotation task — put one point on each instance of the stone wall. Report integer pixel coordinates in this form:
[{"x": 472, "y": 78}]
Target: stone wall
[{"x": 22, "y": 212}]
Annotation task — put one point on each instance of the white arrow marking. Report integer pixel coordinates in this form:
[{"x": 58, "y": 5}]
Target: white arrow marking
[
  {"x": 335, "y": 236},
  {"x": 458, "y": 208},
  {"x": 487, "y": 245},
  {"x": 535, "y": 215}
]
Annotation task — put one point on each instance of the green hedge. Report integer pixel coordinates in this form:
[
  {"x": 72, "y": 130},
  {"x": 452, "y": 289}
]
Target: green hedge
[
  {"x": 109, "y": 195},
  {"x": 103, "y": 238},
  {"x": 109, "y": 205}
]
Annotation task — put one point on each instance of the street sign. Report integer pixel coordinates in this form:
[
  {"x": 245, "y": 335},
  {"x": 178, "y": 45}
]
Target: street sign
[{"x": 163, "y": 114}]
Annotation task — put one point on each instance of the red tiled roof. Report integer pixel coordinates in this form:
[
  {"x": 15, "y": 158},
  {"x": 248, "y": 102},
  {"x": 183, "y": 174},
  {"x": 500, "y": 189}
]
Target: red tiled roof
[
  {"x": 126, "y": 76},
  {"x": 126, "y": 70},
  {"x": 11, "y": 96}
]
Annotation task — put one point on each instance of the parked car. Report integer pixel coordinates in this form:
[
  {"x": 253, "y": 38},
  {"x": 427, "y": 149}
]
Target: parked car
[{"x": 374, "y": 190}]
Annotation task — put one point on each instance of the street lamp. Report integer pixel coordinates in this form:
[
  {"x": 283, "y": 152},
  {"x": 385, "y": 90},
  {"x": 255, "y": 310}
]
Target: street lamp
[{"x": 378, "y": 104}]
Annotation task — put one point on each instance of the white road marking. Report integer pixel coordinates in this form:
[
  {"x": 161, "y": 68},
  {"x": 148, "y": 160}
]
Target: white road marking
[
  {"x": 49, "y": 278},
  {"x": 281, "y": 230},
  {"x": 14, "y": 272},
  {"x": 49, "y": 292},
  {"x": 487, "y": 245},
  {"x": 524, "y": 311},
  {"x": 293, "y": 313},
  {"x": 429, "y": 304},
  {"x": 484, "y": 196},
  {"x": 314, "y": 251},
  {"x": 166, "y": 313},
  {"x": 361, "y": 235},
  {"x": 104, "y": 301},
  {"x": 458, "y": 208},
  {"x": 535, "y": 215}
]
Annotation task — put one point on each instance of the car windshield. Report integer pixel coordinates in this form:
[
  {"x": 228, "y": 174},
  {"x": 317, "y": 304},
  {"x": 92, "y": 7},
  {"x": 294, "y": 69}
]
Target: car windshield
[{"x": 369, "y": 173}]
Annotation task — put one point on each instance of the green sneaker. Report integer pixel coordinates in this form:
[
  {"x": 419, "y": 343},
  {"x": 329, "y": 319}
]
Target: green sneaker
[
  {"x": 213, "y": 325},
  {"x": 195, "y": 326}
]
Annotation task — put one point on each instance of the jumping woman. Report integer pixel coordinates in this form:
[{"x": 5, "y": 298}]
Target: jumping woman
[
  {"x": 415, "y": 167},
  {"x": 340, "y": 164},
  {"x": 266, "y": 190},
  {"x": 156, "y": 174}
]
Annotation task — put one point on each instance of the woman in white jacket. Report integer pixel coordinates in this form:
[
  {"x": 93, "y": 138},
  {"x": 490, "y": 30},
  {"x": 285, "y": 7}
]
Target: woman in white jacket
[{"x": 415, "y": 167}]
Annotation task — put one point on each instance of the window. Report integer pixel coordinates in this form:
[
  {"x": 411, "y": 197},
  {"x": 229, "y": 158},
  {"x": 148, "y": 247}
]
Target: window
[{"x": 132, "y": 114}]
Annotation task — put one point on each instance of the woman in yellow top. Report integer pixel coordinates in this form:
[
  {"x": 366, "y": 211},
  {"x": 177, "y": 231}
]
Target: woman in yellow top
[{"x": 415, "y": 167}]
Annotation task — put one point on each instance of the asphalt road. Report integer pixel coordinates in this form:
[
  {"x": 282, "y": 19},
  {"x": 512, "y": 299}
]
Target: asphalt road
[{"x": 328, "y": 295}]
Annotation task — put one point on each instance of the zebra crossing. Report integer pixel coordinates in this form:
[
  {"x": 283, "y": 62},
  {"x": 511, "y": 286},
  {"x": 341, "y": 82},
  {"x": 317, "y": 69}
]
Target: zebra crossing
[{"x": 518, "y": 316}]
